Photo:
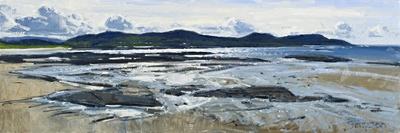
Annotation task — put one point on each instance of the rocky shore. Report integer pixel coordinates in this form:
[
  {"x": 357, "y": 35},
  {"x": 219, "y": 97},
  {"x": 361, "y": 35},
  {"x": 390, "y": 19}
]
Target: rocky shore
[{"x": 195, "y": 91}]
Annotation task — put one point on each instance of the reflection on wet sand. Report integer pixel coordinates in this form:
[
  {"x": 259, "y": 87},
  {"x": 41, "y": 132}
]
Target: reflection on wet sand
[
  {"x": 348, "y": 77},
  {"x": 14, "y": 88}
]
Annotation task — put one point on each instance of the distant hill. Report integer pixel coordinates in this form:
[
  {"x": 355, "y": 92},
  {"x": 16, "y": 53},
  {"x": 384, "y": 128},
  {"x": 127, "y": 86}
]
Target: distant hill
[
  {"x": 17, "y": 39},
  {"x": 172, "y": 39},
  {"x": 189, "y": 39},
  {"x": 30, "y": 42}
]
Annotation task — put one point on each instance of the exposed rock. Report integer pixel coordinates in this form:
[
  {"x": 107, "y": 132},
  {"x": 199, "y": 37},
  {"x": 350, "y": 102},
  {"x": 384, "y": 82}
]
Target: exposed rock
[
  {"x": 101, "y": 98},
  {"x": 326, "y": 98},
  {"x": 319, "y": 58},
  {"x": 101, "y": 84},
  {"x": 181, "y": 90},
  {"x": 297, "y": 118},
  {"x": 42, "y": 77},
  {"x": 85, "y": 58},
  {"x": 273, "y": 93},
  {"x": 329, "y": 98},
  {"x": 385, "y": 63},
  {"x": 376, "y": 110},
  {"x": 11, "y": 59}
]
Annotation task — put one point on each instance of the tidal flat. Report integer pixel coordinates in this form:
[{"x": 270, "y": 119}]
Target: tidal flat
[{"x": 197, "y": 90}]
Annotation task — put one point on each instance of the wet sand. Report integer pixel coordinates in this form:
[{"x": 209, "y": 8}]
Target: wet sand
[
  {"x": 14, "y": 88},
  {"x": 348, "y": 77}
]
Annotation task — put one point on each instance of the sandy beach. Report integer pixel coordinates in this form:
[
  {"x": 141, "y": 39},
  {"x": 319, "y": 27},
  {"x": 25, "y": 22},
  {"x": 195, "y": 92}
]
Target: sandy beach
[
  {"x": 15, "y": 88},
  {"x": 376, "y": 77}
]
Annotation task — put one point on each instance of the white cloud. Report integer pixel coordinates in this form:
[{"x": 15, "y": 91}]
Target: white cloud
[
  {"x": 378, "y": 31},
  {"x": 232, "y": 27},
  {"x": 240, "y": 27},
  {"x": 217, "y": 30},
  {"x": 7, "y": 9},
  {"x": 343, "y": 30},
  {"x": 118, "y": 23},
  {"x": 52, "y": 22},
  {"x": 18, "y": 29},
  {"x": 6, "y": 16},
  {"x": 144, "y": 29}
]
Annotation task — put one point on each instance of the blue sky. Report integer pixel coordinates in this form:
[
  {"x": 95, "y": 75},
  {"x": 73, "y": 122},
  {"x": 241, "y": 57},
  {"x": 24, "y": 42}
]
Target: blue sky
[{"x": 357, "y": 21}]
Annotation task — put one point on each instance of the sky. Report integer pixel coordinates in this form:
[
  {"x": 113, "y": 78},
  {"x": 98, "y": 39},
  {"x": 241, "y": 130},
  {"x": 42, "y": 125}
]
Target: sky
[{"x": 357, "y": 21}]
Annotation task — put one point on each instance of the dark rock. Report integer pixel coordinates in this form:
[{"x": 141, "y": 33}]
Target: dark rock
[
  {"x": 42, "y": 77},
  {"x": 181, "y": 91},
  {"x": 89, "y": 74},
  {"x": 297, "y": 118},
  {"x": 86, "y": 58},
  {"x": 103, "y": 84},
  {"x": 319, "y": 58},
  {"x": 101, "y": 98},
  {"x": 103, "y": 119},
  {"x": 385, "y": 63},
  {"x": 329, "y": 98},
  {"x": 246, "y": 102},
  {"x": 174, "y": 92},
  {"x": 376, "y": 110},
  {"x": 11, "y": 59},
  {"x": 273, "y": 93}
]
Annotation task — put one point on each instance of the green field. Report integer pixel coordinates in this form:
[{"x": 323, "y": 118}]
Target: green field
[{"x": 17, "y": 46}]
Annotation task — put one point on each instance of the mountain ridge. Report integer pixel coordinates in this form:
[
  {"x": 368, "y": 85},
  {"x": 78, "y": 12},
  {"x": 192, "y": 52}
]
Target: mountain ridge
[
  {"x": 183, "y": 39},
  {"x": 190, "y": 39}
]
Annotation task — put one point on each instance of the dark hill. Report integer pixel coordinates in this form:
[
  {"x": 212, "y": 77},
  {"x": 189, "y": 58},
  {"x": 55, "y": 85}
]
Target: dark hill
[
  {"x": 190, "y": 39},
  {"x": 259, "y": 36},
  {"x": 27, "y": 38},
  {"x": 31, "y": 41},
  {"x": 183, "y": 39}
]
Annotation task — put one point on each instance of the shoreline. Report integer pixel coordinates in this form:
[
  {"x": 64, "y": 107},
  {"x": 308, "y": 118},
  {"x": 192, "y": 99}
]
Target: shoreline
[
  {"x": 22, "y": 117},
  {"x": 14, "y": 88}
]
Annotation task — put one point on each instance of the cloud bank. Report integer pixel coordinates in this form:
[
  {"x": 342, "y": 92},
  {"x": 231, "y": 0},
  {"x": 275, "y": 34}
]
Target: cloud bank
[
  {"x": 51, "y": 22},
  {"x": 231, "y": 27},
  {"x": 343, "y": 30},
  {"x": 378, "y": 31},
  {"x": 358, "y": 18},
  {"x": 6, "y": 13},
  {"x": 240, "y": 27},
  {"x": 118, "y": 23}
]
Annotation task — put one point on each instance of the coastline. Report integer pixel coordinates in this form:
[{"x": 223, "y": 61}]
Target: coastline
[
  {"x": 14, "y": 88},
  {"x": 30, "y": 117},
  {"x": 23, "y": 117},
  {"x": 13, "y": 51}
]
